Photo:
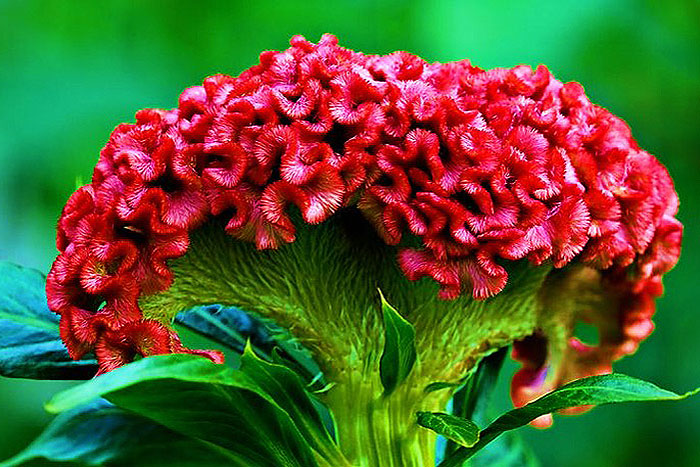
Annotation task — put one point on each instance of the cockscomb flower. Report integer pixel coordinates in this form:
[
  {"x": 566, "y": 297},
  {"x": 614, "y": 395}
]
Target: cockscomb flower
[{"x": 492, "y": 207}]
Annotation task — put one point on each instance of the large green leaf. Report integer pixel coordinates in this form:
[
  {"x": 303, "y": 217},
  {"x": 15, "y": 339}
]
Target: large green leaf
[
  {"x": 595, "y": 390},
  {"x": 286, "y": 389},
  {"x": 30, "y": 346},
  {"x": 457, "y": 429},
  {"x": 100, "y": 433},
  {"x": 399, "y": 354},
  {"x": 198, "y": 398}
]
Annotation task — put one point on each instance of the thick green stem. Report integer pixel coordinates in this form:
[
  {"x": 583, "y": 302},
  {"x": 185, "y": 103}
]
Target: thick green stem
[{"x": 378, "y": 430}]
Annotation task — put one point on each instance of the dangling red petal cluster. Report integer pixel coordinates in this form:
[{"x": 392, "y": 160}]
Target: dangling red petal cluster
[{"x": 481, "y": 166}]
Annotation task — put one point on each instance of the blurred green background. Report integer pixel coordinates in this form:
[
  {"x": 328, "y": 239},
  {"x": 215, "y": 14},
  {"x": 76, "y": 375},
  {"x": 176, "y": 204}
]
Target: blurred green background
[{"x": 71, "y": 71}]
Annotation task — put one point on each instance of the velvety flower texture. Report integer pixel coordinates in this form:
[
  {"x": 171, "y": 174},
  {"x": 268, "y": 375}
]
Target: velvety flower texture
[{"x": 480, "y": 166}]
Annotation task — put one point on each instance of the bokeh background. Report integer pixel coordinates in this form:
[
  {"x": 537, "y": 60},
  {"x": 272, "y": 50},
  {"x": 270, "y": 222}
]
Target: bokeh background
[{"x": 71, "y": 71}]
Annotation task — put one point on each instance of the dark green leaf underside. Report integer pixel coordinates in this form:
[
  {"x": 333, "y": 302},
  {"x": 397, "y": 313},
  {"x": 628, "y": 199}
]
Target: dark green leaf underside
[
  {"x": 30, "y": 345},
  {"x": 471, "y": 400},
  {"x": 228, "y": 326},
  {"x": 100, "y": 433},
  {"x": 232, "y": 327},
  {"x": 287, "y": 390},
  {"x": 440, "y": 385},
  {"x": 508, "y": 450}
]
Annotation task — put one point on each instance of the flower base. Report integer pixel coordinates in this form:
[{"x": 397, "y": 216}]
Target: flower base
[{"x": 323, "y": 288}]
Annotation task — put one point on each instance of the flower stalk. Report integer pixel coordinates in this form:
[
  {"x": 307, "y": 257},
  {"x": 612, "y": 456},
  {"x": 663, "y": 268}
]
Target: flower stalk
[{"x": 374, "y": 429}]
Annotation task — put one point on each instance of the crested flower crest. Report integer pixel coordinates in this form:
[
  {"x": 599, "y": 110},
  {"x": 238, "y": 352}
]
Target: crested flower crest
[{"x": 480, "y": 166}]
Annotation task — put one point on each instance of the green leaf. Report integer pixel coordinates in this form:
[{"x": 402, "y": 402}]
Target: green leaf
[
  {"x": 472, "y": 399},
  {"x": 279, "y": 356},
  {"x": 287, "y": 390},
  {"x": 460, "y": 430},
  {"x": 595, "y": 390},
  {"x": 195, "y": 397},
  {"x": 440, "y": 385},
  {"x": 508, "y": 450},
  {"x": 100, "y": 433},
  {"x": 233, "y": 327},
  {"x": 229, "y": 326},
  {"x": 30, "y": 345},
  {"x": 399, "y": 354},
  {"x": 294, "y": 356}
]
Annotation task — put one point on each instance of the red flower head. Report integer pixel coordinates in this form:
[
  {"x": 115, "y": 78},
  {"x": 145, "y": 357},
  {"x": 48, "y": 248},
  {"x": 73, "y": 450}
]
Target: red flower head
[{"x": 482, "y": 167}]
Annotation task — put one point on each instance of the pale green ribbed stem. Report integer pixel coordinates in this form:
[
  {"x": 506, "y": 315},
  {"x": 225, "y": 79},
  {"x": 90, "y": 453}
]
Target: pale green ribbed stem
[{"x": 377, "y": 430}]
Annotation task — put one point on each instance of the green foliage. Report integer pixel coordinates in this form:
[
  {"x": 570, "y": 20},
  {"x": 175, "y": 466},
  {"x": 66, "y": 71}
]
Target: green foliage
[
  {"x": 289, "y": 352},
  {"x": 595, "y": 390},
  {"x": 508, "y": 450},
  {"x": 232, "y": 328},
  {"x": 286, "y": 389},
  {"x": 440, "y": 385},
  {"x": 228, "y": 326},
  {"x": 399, "y": 354},
  {"x": 460, "y": 430},
  {"x": 471, "y": 400},
  {"x": 99, "y": 433},
  {"x": 30, "y": 346},
  {"x": 30, "y": 332},
  {"x": 197, "y": 398}
]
